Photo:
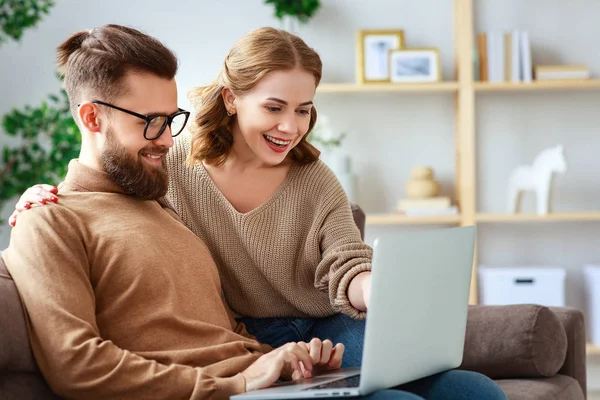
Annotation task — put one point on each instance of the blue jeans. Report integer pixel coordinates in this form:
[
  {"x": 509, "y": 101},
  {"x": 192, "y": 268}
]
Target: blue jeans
[{"x": 339, "y": 328}]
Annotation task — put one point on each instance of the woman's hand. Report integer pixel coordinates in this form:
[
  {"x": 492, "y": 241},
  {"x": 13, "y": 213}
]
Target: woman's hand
[{"x": 37, "y": 194}]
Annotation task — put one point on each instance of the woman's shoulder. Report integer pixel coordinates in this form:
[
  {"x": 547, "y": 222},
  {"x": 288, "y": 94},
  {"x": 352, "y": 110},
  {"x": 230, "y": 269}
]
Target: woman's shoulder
[{"x": 318, "y": 179}]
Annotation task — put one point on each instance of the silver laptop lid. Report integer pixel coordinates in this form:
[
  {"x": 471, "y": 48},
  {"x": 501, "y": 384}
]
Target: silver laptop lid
[{"x": 418, "y": 308}]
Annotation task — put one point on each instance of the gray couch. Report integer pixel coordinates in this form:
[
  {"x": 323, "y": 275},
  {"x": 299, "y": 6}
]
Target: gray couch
[{"x": 533, "y": 352}]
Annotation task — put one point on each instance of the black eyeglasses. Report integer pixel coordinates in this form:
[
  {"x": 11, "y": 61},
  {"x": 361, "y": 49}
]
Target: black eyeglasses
[{"x": 156, "y": 124}]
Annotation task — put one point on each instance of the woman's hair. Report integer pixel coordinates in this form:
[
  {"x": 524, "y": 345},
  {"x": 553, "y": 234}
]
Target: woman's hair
[
  {"x": 255, "y": 55},
  {"x": 94, "y": 63}
]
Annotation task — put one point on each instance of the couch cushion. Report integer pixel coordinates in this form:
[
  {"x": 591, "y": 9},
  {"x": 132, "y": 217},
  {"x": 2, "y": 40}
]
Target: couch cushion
[
  {"x": 25, "y": 386},
  {"x": 517, "y": 341},
  {"x": 559, "y": 387},
  {"x": 15, "y": 351}
]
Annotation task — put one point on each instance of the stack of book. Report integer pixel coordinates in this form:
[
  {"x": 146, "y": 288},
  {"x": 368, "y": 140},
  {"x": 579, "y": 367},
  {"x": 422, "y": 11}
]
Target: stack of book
[
  {"x": 561, "y": 72},
  {"x": 506, "y": 57},
  {"x": 503, "y": 57},
  {"x": 433, "y": 206}
]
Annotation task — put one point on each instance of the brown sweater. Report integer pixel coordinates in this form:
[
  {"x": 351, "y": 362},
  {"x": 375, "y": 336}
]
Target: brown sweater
[
  {"x": 294, "y": 255},
  {"x": 123, "y": 300}
]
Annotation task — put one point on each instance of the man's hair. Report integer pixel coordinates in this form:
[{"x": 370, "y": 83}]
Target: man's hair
[{"x": 94, "y": 63}]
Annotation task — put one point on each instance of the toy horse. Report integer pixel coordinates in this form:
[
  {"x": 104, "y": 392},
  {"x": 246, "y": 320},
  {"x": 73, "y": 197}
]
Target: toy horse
[{"x": 536, "y": 177}]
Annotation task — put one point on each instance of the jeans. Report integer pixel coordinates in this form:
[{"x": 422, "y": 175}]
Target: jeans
[{"x": 339, "y": 328}]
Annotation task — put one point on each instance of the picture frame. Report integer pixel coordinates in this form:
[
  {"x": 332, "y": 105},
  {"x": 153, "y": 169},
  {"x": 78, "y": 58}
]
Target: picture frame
[
  {"x": 373, "y": 51},
  {"x": 415, "y": 65}
]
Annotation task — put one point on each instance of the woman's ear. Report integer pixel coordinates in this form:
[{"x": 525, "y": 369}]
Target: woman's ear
[
  {"x": 228, "y": 98},
  {"x": 88, "y": 115}
]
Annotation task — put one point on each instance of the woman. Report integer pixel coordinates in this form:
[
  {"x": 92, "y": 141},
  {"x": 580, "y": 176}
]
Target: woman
[{"x": 279, "y": 225}]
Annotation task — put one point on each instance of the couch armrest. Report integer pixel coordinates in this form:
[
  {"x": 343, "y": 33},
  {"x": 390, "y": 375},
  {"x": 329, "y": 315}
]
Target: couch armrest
[
  {"x": 575, "y": 361},
  {"x": 516, "y": 341}
]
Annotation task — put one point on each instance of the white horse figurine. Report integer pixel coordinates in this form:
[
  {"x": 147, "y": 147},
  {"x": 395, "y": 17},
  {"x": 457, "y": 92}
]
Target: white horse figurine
[{"x": 537, "y": 178}]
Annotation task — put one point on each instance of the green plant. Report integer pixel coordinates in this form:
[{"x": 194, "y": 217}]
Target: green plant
[
  {"x": 18, "y": 15},
  {"x": 303, "y": 10},
  {"x": 49, "y": 138}
]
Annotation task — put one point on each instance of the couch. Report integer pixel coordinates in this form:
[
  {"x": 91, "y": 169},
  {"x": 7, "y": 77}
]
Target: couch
[{"x": 533, "y": 352}]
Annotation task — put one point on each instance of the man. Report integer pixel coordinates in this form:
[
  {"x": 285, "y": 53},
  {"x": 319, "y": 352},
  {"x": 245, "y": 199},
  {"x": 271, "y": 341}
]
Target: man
[{"x": 123, "y": 300}]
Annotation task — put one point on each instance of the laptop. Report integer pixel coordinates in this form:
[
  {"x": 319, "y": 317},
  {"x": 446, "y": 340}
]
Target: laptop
[{"x": 416, "y": 321}]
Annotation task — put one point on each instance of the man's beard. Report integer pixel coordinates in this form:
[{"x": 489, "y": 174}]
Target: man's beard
[{"x": 130, "y": 173}]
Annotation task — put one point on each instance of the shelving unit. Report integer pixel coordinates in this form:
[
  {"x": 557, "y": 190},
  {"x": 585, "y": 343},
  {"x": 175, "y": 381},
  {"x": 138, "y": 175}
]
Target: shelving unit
[
  {"x": 537, "y": 85},
  {"x": 555, "y": 217},
  {"x": 592, "y": 350},
  {"x": 388, "y": 87},
  {"x": 465, "y": 90},
  {"x": 399, "y": 219}
]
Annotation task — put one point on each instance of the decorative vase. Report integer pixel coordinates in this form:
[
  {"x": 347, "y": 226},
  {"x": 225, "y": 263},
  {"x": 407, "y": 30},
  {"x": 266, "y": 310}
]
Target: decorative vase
[
  {"x": 341, "y": 165},
  {"x": 422, "y": 183}
]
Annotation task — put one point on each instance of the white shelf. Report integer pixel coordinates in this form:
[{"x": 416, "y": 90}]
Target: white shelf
[
  {"x": 553, "y": 217},
  {"x": 449, "y": 87},
  {"x": 399, "y": 219}
]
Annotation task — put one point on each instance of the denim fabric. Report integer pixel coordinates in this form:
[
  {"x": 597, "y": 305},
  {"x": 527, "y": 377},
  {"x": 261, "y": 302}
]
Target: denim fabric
[{"x": 339, "y": 328}]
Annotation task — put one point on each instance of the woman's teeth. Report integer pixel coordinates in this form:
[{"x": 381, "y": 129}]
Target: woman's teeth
[{"x": 277, "y": 141}]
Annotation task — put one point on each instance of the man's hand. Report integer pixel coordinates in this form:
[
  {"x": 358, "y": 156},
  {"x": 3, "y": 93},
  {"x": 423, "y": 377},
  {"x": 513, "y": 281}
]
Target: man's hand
[
  {"x": 301, "y": 359},
  {"x": 267, "y": 369}
]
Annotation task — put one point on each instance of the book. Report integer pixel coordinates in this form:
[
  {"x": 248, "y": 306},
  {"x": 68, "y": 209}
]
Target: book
[
  {"x": 526, "y": 63},
  {"x": 433, "y": 203},
  {"x": 453, "y": 210},
  {"x": 515, "y": 57},
  {"x": 483, "y": 57},
  {"x": 552, "y": 72}
]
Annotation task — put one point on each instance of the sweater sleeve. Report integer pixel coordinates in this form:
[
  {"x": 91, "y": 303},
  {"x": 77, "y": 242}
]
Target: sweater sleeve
[
  {"x": 48, "y": 260},
  {"x": 343, "y": 253}
]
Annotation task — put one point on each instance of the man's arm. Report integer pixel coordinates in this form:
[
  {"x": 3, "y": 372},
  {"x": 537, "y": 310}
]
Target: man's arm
[{"x": 48, "y": 261}]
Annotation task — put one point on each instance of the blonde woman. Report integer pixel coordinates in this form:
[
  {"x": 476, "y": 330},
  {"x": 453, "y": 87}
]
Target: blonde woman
[{"x": 276, "y": 220}]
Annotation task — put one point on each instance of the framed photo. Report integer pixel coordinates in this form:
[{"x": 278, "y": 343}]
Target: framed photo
[
  {"x": 373, "y": 52},
  {"x": 415, "y": 65}
]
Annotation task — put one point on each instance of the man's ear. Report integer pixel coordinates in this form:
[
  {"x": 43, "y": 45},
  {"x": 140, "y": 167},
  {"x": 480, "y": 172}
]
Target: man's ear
[{"x": 89, "y": 117}]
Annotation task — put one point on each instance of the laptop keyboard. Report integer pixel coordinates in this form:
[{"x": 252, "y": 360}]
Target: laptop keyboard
[{"x": 349, "y": 382}]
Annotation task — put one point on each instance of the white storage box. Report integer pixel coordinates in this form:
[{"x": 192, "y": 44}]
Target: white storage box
[
  {"x": 522, "y": 285},
  {"x": 592, "y": 292}
]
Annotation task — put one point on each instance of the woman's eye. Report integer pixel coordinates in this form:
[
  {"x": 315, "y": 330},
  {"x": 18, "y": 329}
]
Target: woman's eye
[
  {"x": 304, "y": 112},
  {"x": 273, "y": 109}
]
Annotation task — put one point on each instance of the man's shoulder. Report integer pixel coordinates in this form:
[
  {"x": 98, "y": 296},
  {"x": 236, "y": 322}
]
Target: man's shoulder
[{"x": 65, "y": 212}]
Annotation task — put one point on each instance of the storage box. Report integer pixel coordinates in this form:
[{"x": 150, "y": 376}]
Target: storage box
[
  {"x": 522, "y": 285},
  {"x": 592, "y": 292}
]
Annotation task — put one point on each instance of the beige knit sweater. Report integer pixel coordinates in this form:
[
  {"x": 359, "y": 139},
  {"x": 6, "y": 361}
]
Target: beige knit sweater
[{"x": 294, "y": 255}]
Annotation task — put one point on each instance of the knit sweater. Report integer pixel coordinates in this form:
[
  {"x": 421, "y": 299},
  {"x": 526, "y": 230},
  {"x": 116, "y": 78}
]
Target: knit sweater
[
  {"x": 293, "y": 256},
  {"x": 124, "y": 301}
]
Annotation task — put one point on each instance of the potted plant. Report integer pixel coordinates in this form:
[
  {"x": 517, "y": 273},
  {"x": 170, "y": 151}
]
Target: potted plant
[{"x": 293, "y": 12}]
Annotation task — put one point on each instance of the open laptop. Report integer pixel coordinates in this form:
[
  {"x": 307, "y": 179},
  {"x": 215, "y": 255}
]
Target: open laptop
[{"x": 416, "y": 320}]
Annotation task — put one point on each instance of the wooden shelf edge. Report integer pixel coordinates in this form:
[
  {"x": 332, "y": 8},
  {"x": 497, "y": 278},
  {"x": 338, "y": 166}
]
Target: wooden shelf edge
[
  {"x": 398, "y": 219},
  {"x": 592, "y": 349},
  {"x": 387, "y": 87},
  {"x": 537, "y": 85},
  {"x": 553, "y": 217}
]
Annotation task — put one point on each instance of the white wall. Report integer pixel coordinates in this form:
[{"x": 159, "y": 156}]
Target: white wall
[{"x": 389, "y": 132}]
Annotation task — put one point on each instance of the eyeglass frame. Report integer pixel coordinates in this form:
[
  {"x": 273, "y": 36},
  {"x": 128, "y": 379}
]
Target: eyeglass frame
[{"x": 149, "y": 118}]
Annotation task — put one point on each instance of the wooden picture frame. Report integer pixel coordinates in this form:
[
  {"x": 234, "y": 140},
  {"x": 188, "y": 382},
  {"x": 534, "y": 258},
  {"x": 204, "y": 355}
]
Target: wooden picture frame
[
  {"x": 415, "y": 65},
  {"x": 373, "y": 49}
]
